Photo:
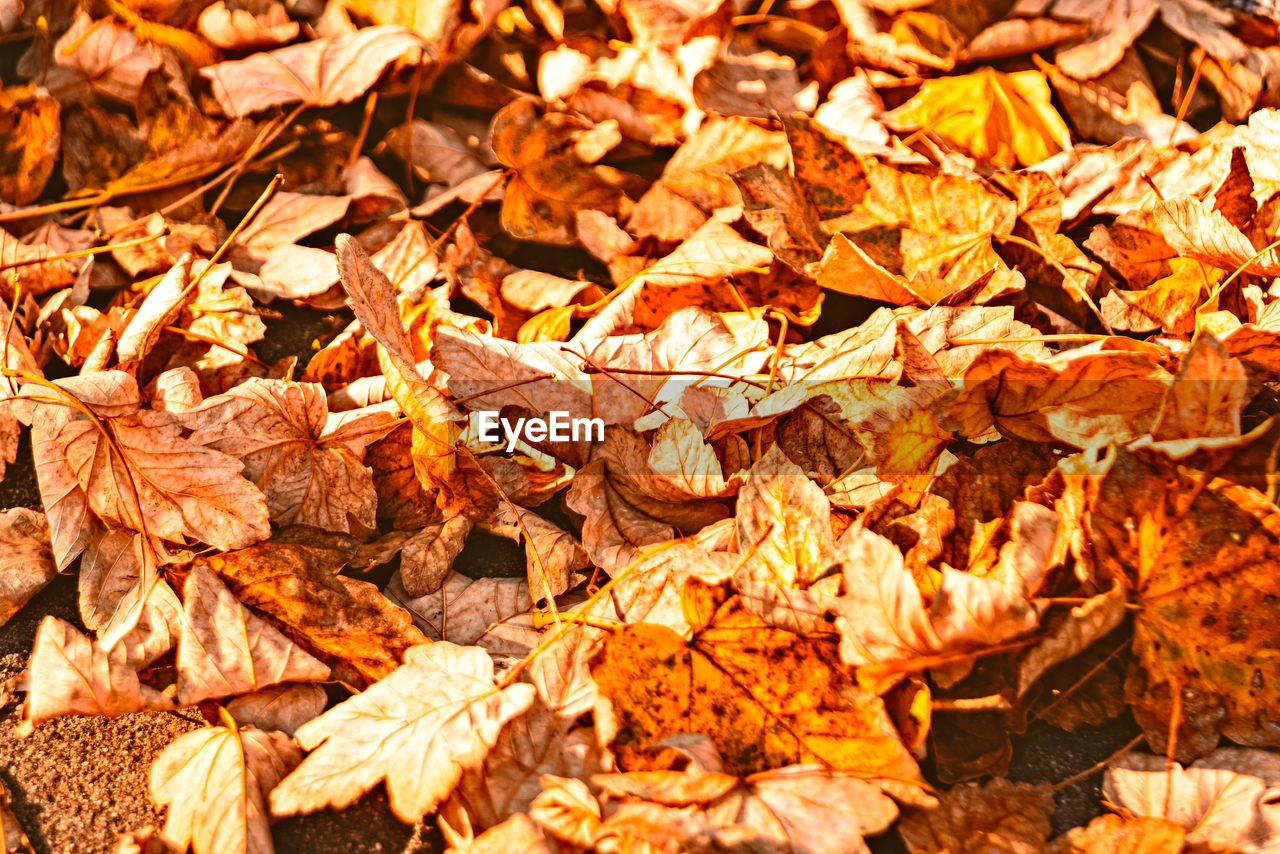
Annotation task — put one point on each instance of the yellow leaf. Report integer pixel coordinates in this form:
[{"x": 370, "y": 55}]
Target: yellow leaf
[{"x": 999, "y": 119}]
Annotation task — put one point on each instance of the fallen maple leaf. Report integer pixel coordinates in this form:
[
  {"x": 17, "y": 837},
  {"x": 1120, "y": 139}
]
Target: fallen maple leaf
[
  {"x": 27, "y": 564},
  {"x": 227, "y": 649},
  {"x": 967, "y": 110},
  {"x": 70, "y": 675},
  {"x": 417, "y": 729},
  {"x": 214, "y": 782}
]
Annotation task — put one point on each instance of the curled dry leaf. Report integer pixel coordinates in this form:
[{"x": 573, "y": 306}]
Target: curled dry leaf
[
  {"x": 26, "y": 563},
  {"x": 214, "y": 782},
  {"x": 309, "y": 462},
  {"x": 1224, "y": 801},
  {"x": 417, "y": 729},
  {"x": 346, "y": 621},
  {"x": 227, "y": 649},
  {"x": 279, "y": 707},
  {"x": 317, "y": 73},
  {"x": 71, "y": 675}
]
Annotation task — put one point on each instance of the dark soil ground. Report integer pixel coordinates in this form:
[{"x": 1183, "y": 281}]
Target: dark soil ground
[{"x": 78, "y": 783}]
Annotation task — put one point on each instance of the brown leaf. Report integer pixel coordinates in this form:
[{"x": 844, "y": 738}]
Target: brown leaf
[
  {"x": 227, "y": 649},
  {"x": 346, "y": 620},
  {"x": 973, "y": 818},
  {"x": 308, "y": 461},
  {"x": 279, "y": 707},
  {"x": 317, "y": 73},
  {"x": 464, "y": 610},
  {"x": 26, "y": 563},
  {"x": 133, "y": 469}
]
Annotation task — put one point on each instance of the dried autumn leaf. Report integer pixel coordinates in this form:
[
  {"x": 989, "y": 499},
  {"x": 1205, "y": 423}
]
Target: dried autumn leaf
[
  {"x": 317, "y": 73},
  {"x": 227, "y": 649},
  {"x": 308, "y": 461},
  {"x": 1198, "y": 231},
  {"x": 1001, "y": 119},
  {"x": 215, "y": 781},
  {"x": 1225, "y": 801},
  {"x": 417, "y": 729},
  {"x": 720, "y": 683},
  {"x": 26, "y": 563},
  {"x": 71, "y": 675},
  {"x": 784, "y": 527},
  {"x": 464, "y": 610},
  {"x": 133, "y": 468},
  {"x": 973, "y": 818},
  {"x": 346, "y": 620},
  {"x": 1199, "y": 575},
  {"x": 1119, "y": 835},
  {"x": 12, "y": 838},
  {"x": 31, "y": 128},
  {"x": 279, "y": 707}
]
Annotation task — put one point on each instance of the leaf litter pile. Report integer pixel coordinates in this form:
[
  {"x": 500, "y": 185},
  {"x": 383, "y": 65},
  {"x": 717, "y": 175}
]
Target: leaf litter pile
[{"x": 933, "y": 349}]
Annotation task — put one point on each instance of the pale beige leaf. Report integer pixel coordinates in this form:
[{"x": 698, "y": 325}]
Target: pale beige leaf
[
  {"x": 1226, "y": 800},
  {"x": 417, "y": 729},
  {"x": 107, "y": 55},
  {"x": 317, "y": 73},
  {"x": 288, "y": 217},
  {"x": 238, "y": 28},
  {"x": 279, "y": 707},
  {"x": 1196, "y": 230},
  {"x": 70, "y": 675},
  {"x": 784, "y": 527},
  {"x": 227, "y": 649},
  {"x": 882, "y": 617},
  {"x": 26, "y": 562},
  {"x": 159, "y": 309},
  {"x": 518, "y": 833},
  {"x": 807, "y": 808},
  {"x": 214, "y": 782}
]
